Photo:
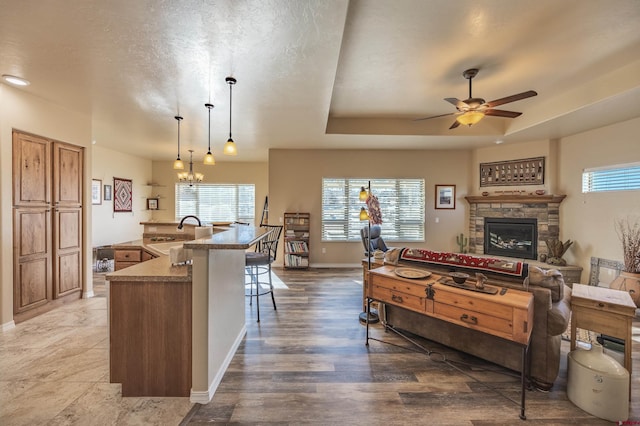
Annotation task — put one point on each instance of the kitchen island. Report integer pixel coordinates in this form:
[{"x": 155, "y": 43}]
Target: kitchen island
[{"x": 206, "y": 297}]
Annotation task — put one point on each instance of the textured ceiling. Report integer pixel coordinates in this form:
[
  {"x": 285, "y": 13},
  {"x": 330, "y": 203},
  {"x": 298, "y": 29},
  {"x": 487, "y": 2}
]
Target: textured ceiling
[{"x": 324, "y": 74}]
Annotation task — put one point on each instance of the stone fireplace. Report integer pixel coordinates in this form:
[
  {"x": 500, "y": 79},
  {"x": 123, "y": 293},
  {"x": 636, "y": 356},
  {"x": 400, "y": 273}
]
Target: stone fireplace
[{"x": 543, "y": 210}]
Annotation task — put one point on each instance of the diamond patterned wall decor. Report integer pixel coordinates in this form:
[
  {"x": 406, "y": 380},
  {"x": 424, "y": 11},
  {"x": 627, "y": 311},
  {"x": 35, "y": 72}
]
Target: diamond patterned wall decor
[{"x": 122, "y": 194}]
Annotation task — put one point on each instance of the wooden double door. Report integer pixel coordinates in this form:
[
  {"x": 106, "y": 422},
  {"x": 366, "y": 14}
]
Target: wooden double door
[{"x": 47, "y": 220}]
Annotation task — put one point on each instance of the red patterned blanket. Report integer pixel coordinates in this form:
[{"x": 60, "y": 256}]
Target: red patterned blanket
[{"x": 510, "y": 268}]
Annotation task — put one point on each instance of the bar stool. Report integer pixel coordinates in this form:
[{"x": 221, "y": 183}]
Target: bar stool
[{"x": 259, "y": 263}]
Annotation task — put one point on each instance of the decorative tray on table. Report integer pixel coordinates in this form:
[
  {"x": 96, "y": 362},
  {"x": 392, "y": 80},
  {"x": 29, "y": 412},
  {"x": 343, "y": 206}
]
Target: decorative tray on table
[{"x": 412, "y": 273}]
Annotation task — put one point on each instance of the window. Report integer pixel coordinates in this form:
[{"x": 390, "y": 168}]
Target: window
[
  {"x": 216, "y": 202},
  {"x": 614, "y": 178},
  {"x": 401, "y": 203}
]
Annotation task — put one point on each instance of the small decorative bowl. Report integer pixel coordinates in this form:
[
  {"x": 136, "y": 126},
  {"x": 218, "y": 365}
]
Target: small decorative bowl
[
  {"x": 485, "y": 193},
  {"x": 459, "y": 277},
  {"x": 540, "y": 191}
]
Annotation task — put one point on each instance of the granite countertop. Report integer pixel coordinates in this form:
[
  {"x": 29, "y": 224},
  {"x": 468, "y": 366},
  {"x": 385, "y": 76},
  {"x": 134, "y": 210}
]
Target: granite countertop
[{"x": 160, "y": 268}]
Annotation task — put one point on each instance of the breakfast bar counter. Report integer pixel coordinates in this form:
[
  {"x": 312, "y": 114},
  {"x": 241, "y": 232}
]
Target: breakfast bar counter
[{"x": 173, "y": 330}]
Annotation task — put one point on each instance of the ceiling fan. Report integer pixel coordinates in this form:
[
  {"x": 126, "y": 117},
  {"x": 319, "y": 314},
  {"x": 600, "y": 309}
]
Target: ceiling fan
[{"x": 472, "y": 110}]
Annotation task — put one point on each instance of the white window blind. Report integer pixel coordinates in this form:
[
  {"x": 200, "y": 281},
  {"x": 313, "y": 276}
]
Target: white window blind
[
  {"x": 216, "y": 202},
  {"x": 401, "y": 203},
  {"x": 615, "y": 178}
]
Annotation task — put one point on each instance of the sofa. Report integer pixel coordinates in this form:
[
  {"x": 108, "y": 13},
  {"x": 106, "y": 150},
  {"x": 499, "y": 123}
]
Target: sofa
[{"x": 550, "y": 317}]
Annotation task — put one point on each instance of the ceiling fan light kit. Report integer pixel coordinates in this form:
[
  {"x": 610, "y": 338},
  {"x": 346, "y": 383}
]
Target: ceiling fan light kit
[{"x": 472, "y": 110}]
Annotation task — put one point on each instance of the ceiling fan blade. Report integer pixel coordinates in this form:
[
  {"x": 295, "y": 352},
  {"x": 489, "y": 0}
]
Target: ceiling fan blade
[
  {"x": 512, "y": 98},
  {"x": 454, "y": 125},
  {"x": 457, "y": 103},
  {"x": 434, "y": 116},
  {"x": 502, "y": 113}
]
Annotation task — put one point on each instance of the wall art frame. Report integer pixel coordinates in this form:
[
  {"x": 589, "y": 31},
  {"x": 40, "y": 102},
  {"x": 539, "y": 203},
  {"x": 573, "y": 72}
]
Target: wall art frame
[
  {"x": 526, "y": 171},
  {"x": 108, "y": 194},
  {"x": 123, "y": 195},
  {"x": 96, "y": 191},
  {"x": 445, "y": 197},
  {"x": 152, "y": 203}
]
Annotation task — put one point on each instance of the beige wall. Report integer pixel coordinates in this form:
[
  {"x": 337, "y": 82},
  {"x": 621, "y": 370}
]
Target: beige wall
[
  {"x": 21, "y": 111},
  {"x": 589, "y": 219},
  {"x": 295, "y": 184},
  {"x": 165, "y": 178},
  {"x": 111, "y": 227}
]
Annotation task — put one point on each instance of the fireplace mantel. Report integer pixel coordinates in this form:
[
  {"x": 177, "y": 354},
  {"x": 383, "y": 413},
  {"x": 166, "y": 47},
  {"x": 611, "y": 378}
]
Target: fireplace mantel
[{"x": 524, "y": 199}]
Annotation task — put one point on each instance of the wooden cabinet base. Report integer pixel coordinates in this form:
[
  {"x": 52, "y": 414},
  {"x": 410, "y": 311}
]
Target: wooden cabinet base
[{"x": 150, "y": 337}]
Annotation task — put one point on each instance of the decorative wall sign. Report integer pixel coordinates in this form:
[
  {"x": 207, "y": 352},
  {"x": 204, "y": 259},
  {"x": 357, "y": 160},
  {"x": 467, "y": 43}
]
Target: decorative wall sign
[
  {"x": 528, "y": 171},
  {"x": 122, "y": 189},
  {"x": 152, "y": 203}
]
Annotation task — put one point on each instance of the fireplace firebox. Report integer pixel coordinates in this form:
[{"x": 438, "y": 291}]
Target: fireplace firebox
[{"x": 511, "y": 237}]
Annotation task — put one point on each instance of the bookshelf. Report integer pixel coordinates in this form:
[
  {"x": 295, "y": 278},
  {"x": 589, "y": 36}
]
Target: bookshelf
[{"x": 296, "y": 240}]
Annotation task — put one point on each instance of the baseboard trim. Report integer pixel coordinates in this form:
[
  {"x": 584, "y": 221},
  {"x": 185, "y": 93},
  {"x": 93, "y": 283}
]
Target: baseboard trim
[
  {"x": 203, "y": 397},
  {"x": 336, "y": 265},
  {"x": 7, "y": 326},
  {"x": 88, "y": 294}
]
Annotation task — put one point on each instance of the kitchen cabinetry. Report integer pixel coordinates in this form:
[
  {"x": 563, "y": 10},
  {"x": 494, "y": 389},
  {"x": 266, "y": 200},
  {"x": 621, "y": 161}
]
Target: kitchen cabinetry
[
  {"x": 296, "y": 240},
  {"x": 125, "y": 256},
  {"x": 47, "y": 221}
]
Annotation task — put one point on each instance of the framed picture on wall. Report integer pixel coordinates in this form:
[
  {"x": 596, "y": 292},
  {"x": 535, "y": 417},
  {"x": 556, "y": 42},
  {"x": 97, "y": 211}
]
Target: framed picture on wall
[
  {"x": 123, "y": 197},
  {"x": 445, "y": 196},
  {"x": 152, "y": 203},
  {"x": 96, "y": 191},
  {"x": 107, "y": 192}
]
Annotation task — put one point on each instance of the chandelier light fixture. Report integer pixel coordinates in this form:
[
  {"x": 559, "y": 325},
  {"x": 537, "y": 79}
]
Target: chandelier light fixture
[
  {"x": 208, "y": 159},
  {"x": 230, "y": 146},
  {"x": 190, "y": 176},
  {"x": 178, "y": 164}
]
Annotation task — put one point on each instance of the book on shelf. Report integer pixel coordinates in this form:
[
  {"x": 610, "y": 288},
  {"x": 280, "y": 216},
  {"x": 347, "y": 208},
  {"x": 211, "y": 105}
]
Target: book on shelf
[
  {"x": 297, "y": 261},
  {"x": 297, "y": 247}
]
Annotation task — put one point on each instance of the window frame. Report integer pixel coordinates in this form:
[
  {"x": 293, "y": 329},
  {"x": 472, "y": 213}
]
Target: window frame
[
  {"x": 211, "y": 212},
  {"x": 403, "y": 213},
  {"x": 618, "y": 177}
]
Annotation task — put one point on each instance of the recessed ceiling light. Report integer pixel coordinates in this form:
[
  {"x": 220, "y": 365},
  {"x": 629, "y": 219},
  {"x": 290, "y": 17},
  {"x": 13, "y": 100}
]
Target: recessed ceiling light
[
  {"x": 498, "y": 142},
  {"x": 15, "y": 80}
]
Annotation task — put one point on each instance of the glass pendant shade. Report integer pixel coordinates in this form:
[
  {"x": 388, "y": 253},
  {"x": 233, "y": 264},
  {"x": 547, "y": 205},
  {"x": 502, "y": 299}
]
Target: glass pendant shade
[
  {"x": 230, "y": 148},
  {"x": 363, "y": 194},
  {"x": 470, "y": 117},
  {"x": 208, "y": 158},
  {"x": 178, "y": 164},
  {"x": 364, "y": 215}
]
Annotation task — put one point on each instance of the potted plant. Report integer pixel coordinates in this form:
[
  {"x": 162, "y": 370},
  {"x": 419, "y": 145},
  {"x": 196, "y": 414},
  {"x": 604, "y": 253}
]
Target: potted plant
[{"x": 628, "y": 231}]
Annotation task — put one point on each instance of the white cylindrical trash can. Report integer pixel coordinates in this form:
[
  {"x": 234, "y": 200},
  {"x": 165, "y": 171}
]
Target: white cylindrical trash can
[{"x": 598, "y": 384}]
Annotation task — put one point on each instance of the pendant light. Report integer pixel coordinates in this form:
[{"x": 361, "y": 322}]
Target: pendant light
[
  {"x": 230, "y": 146},
  {"x": 208, "y": 159},
  {"x": 178, "y": 164}
]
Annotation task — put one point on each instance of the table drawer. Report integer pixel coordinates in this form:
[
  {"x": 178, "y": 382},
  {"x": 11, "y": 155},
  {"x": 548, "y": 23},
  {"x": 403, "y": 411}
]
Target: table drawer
[
  {"x": 491, "y": 324},
  {"x": 414, "y": 288},
  {"x": 127, "y": 255},
  {"x": 474, "y": 304},
  {"x": 602, "y": 306},
  {"x": 397, "y": 298}
]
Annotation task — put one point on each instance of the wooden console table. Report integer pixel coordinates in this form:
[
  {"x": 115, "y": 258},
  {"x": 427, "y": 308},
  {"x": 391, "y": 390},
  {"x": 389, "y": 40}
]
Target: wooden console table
[
  {"x": 508, "y": 315},
  {"x": 606, "y": 311}
]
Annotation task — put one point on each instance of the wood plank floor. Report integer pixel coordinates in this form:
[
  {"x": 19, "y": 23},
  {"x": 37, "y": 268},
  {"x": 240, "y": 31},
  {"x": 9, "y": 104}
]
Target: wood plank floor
[{"x": 307, "y": 363}]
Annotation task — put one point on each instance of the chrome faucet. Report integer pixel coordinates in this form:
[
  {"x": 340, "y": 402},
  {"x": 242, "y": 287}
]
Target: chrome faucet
[{"x": 186, "y": 217}]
